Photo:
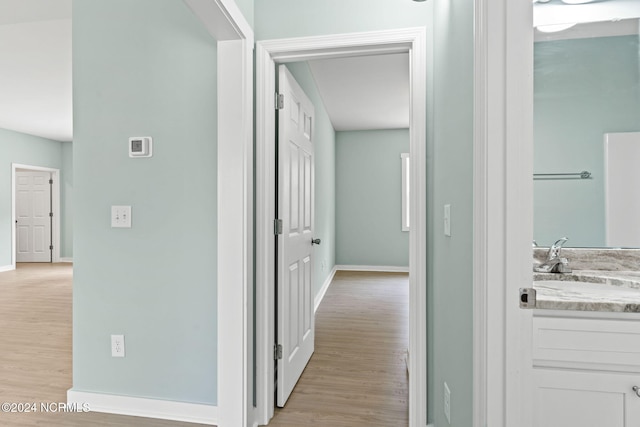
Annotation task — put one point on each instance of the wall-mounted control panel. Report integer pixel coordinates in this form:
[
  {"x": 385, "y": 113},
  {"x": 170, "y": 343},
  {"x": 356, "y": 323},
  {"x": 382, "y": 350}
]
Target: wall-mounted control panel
[{"x": 140, "y": 146}]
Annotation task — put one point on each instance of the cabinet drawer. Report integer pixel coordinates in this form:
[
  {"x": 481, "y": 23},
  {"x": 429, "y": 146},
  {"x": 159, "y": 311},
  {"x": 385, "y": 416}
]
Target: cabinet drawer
[{"x": 579, "y": 343}]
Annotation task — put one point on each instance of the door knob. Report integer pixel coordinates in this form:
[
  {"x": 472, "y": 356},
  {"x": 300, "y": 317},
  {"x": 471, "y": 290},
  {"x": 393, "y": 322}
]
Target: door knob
[
  {"x": 636, "y": 389},
  {"x": 315, "y": 241}
]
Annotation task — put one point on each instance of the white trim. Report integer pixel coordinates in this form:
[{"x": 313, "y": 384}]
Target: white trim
[
  {"x": 222, "y": 19},
  {"x": 55, "y": 199},
  {"x": 480, "y": 218},
  {"x": 268, "y": 53},
  {"x": 235, "y": 233},
  {"x": 378, "y": 268},
  {"x": 65, "y": 259},
  {"x": 7, "y": 268},
  {"x": 323, "y": 290},
  {"x": 405, "y": 220},
  {"x": 148, "y": 408},
  {"x": 503, "y": 211}
]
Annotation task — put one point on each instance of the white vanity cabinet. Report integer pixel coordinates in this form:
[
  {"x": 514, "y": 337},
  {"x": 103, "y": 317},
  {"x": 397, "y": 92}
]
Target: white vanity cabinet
[{"x": 586, "y": 365}]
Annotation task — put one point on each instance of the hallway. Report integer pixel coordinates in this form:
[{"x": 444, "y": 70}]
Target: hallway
[{"x": 357, "y": 375}]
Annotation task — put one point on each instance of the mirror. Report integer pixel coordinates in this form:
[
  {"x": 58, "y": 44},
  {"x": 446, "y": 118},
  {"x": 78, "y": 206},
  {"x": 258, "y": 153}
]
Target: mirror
[{"x": 586, "y": 85}]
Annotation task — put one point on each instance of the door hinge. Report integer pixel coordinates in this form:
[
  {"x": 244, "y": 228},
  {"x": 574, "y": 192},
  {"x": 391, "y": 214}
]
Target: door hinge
[
  {"x": 277, "y": 226},
  {"x": 50, "y": 247},
  {"x": 279, "y": 101},
  {"x": 50, "y": 181},
  {"x": 51, "y": 214},
  {"x": 527, "y": 298},
  {"x": 277, "y": 352}
]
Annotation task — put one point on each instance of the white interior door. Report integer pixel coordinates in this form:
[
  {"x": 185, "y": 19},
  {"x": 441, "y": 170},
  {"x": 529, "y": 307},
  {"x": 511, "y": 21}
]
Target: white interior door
[
  {"x": 33, "y": 221},
  {"x": 295, "y": 318}
]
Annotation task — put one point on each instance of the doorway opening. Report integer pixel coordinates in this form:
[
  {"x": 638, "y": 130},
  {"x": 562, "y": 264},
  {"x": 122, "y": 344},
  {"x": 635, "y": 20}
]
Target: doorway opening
[
  {"x": 52, "y": 234},
  {"x": 360, "y": 132},
  {"x": 268, "y": 54}
]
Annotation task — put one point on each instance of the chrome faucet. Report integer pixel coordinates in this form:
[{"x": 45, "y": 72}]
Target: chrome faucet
[{"x": 555, "y": 263}]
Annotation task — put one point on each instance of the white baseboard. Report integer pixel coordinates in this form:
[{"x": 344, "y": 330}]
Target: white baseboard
[
  {"x": 66, "y": 260},
  {"x": 323, "y": 289},
  {"x": 7, "y": 268},
  {"x": 380, "y": 268},
  {"x": 142, "y": 407}
]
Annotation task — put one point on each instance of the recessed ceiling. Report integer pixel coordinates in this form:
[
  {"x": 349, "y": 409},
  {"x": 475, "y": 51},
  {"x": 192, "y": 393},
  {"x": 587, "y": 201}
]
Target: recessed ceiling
[
  {"x": 35, "y": 68},
  {"x": 364, "y": 92}
]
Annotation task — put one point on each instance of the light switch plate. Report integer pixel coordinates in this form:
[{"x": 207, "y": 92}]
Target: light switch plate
[
  {"x": 447, "y": 220},
  {"x": 121, "y": 216}
]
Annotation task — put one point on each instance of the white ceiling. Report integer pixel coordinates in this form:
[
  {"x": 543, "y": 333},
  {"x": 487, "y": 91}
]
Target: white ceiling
[
  {"x": 365, "y": 92},
  {"x": 21, "y": 11},
  {"x": 35, "y": 67}
]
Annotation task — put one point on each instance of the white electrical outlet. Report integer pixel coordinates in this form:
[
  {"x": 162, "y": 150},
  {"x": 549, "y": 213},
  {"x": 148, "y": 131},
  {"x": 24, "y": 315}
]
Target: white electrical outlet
[
  {"x": 117, "y": 345},
  {"x": 447, "y": 220},
  {"x": 121, "y": 216},
  {"x": 447, "y": 402}
]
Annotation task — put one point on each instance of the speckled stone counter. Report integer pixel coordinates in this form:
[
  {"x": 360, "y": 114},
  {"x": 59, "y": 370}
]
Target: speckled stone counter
[
  {"x": 595, "y": 258},
  {"x": 606, "y": 280},
  {"x": 587, "y": 296}
]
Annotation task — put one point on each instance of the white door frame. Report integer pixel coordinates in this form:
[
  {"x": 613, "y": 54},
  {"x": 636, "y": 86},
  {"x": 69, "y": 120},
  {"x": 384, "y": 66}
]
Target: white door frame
[
  {"x": 268, "y": 54},
  {"x": 225, "y": 22},
  {"x": 55, "y": 202},
  {"x": 503, "y": 212}
]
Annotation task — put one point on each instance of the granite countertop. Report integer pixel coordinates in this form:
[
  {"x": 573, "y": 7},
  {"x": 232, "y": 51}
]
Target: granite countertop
[{"x": 589, "y": 290}]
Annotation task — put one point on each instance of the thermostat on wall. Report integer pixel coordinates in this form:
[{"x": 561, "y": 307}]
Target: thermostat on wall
[{"x": 140, "y": 146}]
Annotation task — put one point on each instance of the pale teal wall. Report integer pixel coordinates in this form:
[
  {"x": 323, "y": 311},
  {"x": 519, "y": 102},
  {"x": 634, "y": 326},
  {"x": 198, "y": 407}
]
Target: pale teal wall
[
  {"x": 583, "y": 89},
  {"x": 325, "y": 181},
  {"x": 145, "y": 68},
  {"x": 246, "y": 7},
  {"x": 30, "y": 150},
  {"x": 450, "y": 168},
  {"x": 297, "y": 18},
  {"x": 66, "y": 201},
  {"x": 368, "y": 198}
]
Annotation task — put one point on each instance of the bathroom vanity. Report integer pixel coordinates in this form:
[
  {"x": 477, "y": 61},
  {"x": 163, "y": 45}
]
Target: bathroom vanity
[{"x": 586, "y": 344}]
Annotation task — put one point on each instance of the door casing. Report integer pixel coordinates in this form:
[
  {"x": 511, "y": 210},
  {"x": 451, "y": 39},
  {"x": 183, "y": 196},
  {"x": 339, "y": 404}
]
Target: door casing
[
  {"x": 268, "y": 54},
  {"x": 55, "y": 201}
]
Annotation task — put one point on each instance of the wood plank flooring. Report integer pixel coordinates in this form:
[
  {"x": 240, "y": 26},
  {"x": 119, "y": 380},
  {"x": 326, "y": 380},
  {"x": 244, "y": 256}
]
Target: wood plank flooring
[
  {"x": 35, "y": 349},
  {"x": 356, "y": 377}
]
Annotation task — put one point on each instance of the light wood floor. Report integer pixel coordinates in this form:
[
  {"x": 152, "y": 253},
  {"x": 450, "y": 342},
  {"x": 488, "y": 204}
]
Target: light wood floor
[
  {"x": 356, "y": 377},
  {"x": 35, "y": 349}
]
